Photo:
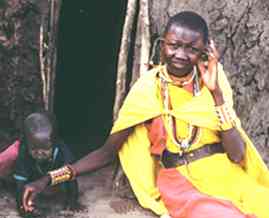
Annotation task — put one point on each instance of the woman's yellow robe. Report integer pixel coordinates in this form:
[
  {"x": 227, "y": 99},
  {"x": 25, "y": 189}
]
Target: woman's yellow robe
[{"x": 245, "y": 187}]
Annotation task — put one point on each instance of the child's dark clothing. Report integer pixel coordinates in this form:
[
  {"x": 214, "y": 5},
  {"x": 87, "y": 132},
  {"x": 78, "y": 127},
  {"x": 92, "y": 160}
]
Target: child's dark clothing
[{"x": 28, "y": 170}]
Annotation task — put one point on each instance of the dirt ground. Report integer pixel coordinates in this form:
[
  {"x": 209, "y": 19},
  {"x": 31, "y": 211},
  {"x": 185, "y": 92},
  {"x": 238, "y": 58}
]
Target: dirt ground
[{"x": 95, "y": 194}]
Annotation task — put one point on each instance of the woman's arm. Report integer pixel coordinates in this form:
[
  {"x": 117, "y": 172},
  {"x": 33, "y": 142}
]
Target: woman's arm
[
  {"x": 102, "y": 156},
  {"x": 231, "y": 139}
]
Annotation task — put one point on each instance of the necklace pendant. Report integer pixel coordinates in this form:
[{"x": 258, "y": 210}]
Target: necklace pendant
[{"x": 185, "y": 144}]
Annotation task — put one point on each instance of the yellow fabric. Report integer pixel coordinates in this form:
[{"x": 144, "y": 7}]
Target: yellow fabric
[
  {"x": 206, "y": 136},
  {"x": 143, "y": 103}
]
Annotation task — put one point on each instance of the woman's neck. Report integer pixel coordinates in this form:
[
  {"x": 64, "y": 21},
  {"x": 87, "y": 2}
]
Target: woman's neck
[{"x": 184, "y": 80}]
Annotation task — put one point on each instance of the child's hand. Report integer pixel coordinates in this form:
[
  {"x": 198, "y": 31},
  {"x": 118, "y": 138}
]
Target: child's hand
[
  {"x": 34, "y": 214},
  {"x": 31, "y": 190},
  {"x": 25, "y": 214}
]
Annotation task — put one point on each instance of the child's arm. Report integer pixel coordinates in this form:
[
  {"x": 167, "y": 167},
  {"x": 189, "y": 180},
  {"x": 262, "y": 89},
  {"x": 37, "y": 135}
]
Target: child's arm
[
  {"x": 21, "y": 177},
  {"x": 19, "y": 192},
  {"x": 20, "y": 183}
]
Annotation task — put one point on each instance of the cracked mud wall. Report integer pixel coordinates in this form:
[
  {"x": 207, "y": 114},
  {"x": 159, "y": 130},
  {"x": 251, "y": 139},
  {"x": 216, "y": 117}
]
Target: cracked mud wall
[
  {"x": 20, "y": 82},
  {"x": 240, "y": 29}
]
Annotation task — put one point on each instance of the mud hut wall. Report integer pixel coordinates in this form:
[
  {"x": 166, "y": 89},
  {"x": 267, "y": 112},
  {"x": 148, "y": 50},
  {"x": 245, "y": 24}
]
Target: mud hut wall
[{"x": 20, "y": 81}]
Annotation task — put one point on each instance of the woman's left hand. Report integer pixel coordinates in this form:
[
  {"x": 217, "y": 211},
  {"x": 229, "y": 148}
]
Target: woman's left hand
[{"x": 209, "y": 71}]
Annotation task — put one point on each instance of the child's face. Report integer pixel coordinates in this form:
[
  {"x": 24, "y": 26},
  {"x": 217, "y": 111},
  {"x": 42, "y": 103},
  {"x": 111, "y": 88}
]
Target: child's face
[
  {"x": 41, "y": 155},
  {"x": 40, "y": 146}
]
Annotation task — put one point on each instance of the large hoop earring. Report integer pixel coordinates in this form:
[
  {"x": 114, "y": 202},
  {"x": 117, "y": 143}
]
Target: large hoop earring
[
  {"x": 196, "y": 84},
  {"x": 154, "y": 52}
]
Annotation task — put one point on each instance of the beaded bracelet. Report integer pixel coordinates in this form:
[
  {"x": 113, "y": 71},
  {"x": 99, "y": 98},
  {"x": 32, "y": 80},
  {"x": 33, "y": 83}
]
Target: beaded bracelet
[
  {"x": 63, "y": 174},
  {"x": 226, "y": 116}
]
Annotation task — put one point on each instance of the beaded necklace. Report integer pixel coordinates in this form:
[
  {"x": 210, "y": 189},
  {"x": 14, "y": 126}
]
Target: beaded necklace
[{"x": 194, "y": 132}]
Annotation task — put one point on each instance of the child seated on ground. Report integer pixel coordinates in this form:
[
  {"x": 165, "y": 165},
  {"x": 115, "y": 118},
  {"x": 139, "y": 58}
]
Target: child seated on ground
[{"x": 40, "y": 152}]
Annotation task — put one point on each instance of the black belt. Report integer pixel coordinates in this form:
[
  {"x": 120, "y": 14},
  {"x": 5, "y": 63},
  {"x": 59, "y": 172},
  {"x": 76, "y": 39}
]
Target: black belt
[{"x": 172, "y": 160}]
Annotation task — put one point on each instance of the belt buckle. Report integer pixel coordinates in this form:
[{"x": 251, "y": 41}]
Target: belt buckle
[{"x": 183, "y": 157}]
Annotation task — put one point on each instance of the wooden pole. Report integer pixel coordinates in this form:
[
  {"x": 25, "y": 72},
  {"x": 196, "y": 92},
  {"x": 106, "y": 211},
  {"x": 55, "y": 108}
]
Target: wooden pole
[
  {"x": 145, "y": 36},
  {"x": 56, "y": 9},
  {"x": 142, "y": 42},
  {"x": 121, "y": 186},
  {"x": 121, "y": 88},
  {"x": 47, "y": 50}
]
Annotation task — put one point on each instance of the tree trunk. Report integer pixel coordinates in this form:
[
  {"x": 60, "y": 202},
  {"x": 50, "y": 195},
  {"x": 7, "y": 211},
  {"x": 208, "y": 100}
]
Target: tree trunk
[{"x": 48, "y": 35}]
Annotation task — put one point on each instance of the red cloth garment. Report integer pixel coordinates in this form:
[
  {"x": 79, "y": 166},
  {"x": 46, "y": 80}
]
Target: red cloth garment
[
  {"x": 157, "y": 135},
  {"x": 183, "y": 200},
  {"x": 8, "y": 159}
]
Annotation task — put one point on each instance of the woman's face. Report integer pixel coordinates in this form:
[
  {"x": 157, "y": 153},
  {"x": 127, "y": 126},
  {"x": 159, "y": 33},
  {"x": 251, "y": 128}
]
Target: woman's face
[{"x": 181, "y": 49}]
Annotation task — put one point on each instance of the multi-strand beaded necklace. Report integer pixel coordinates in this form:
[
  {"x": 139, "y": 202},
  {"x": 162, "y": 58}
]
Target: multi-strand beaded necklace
[{"x": 194, "y": 132}]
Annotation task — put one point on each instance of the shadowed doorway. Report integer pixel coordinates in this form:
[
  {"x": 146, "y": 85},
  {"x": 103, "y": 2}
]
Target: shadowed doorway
[{"x": 88, "y": 43}]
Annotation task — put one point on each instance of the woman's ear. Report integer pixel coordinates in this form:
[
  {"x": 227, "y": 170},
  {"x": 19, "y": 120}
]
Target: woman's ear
[
  {"x": 161, "y": 61},
  {"x": 162, "y": 51}
]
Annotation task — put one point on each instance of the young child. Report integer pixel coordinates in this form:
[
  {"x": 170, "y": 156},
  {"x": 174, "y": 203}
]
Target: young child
[{"x": 39, "y": 153}]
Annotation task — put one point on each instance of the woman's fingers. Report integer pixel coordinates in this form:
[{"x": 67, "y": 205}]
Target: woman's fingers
[
  {"x": 208, "y": 73},
  {"x": 213, "y": 52}
]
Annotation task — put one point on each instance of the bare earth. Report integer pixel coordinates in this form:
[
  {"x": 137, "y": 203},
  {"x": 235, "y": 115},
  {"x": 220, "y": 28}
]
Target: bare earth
[{"x": 95, "y": 194}]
